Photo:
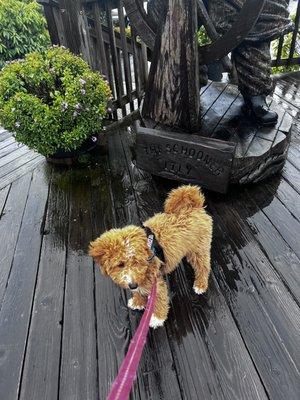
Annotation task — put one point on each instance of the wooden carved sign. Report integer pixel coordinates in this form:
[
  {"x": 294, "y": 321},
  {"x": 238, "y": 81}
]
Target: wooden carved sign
[{"x": 185, "y": 157}]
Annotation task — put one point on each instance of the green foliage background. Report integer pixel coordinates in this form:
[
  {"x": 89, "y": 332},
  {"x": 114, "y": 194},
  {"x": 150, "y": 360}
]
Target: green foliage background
[
  {"x": 285, "y": 52},
  {"x": 23, "y": 29},
  {"x": 52, "y": 100}
]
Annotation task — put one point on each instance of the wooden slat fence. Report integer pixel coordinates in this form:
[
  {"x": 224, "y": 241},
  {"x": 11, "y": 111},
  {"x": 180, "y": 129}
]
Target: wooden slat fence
[
  {"x": 97, "y": 30},
  {"x": 294, "y": 46}
]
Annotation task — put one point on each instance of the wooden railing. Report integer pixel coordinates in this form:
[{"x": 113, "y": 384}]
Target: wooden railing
[
  {"x": 89, "y": 28},
  {"x": 293, "y": 47}
]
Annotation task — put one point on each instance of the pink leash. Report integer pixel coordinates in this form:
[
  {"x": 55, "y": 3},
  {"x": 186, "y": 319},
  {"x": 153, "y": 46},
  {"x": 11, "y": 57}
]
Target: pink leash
[{"x": 123, "y": 383}]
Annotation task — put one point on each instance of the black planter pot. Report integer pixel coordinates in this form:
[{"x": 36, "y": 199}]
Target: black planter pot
[{"x": 63, "y": 157}]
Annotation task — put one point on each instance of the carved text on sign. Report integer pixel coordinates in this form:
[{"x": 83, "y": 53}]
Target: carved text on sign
[
  {"x": 185, "y": 157},
  {"x": 187, "y": 152}
]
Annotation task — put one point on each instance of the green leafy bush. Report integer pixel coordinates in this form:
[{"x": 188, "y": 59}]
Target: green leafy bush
[
  {"x": 52, "y": 100},
  {"x": 23, "y": 29}
]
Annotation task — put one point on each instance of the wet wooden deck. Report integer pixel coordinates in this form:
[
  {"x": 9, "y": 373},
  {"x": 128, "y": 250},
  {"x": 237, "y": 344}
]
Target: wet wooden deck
[{"x": 64, "y": 328}]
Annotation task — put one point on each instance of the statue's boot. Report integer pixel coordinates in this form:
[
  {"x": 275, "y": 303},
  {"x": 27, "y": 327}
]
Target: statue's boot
[{"x": 256, "y": 108}]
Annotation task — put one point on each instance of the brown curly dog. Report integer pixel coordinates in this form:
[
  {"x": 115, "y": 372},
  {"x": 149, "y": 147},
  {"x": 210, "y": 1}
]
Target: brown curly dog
[{"x": 133, "y": 256}]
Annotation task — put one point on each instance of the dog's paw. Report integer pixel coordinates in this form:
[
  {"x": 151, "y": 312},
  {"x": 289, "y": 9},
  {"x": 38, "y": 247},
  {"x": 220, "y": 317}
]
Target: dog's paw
[
  {"x": 156, "y": 322},
  {"x": 133, "y": 306},
  {"x": 199, "y": 290}
]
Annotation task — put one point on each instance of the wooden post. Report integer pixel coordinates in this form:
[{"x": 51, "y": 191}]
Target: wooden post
[
  {"x": 70, "y": 11},
  {"x": 51, "y": 23},
  {"x": 100, "y": 41},
  {"x": 173, "y": 97}
]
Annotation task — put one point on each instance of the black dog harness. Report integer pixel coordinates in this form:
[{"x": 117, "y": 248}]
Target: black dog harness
[{"x": 154, "y": 246}]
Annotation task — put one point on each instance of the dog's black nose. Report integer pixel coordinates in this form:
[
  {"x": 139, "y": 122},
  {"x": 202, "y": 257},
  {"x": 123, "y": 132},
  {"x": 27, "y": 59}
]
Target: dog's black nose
[{"x": 133, "y": 286}]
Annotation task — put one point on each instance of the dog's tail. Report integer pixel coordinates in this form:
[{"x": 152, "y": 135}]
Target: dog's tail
[{"x": 184, "y": 198}]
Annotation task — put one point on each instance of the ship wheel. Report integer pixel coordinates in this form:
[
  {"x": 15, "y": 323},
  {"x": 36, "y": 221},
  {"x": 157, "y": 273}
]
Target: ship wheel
[{"x": 219, "y": 47}]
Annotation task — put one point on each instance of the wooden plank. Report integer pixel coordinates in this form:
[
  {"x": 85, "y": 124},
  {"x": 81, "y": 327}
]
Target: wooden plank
[
  {"x": 228, "y": 120},
  {"x": 266, "y": 314},
  {"x": 281, "y": 218},
  {"x": 289, "y": 91},
  {"x": 41, "y": 366},
  {"x": 289, "y": 198},
  {"x": 6, "y": 142},
  {"x": 204, "y": 88},
  {"x": 100, "y": 44},
  {"x": 78, "y": 371},
  {"x": 294, "y": 149},
  {"x": 210, "y": 96},
  {"x": 10, "y": 222},
  {"x": 295, "y": 34},
  {"x": 85, "y": 42},
  {"x": 3, "y": 197},
  {"x": 291, "y": 174},
  {"x": 69, "y": 11},
  {"x": 4, "y": 135},
  {"x": 9, "y": 158},
  {"x": 6, "y": 169},
  {"x": 136, "y": 63},
  {"x": 51, "y": 23},
  {"x": 249, "y": 204},
  {"x": 198, "y": 365},
  {"x": 185, "y": 157},
  {"x": 16, "y": 308},
  {"x": 127, "y": 211},
  {"x": 250, "y": 144},
  {"x": 58, "y": 17},
  {"x": 283, "y": 123},
  {"x": 21, "y": 170},
  {"x": 125, "y": 58},
  {"x": 9, "y": 149},
  {"x": 214, "y": 115},
  {"x": 118, "y": 82},
  {"x": 286, "y": 105},
  {"x": 121, "y": 64},
  {"x": 286, "y": 123}
]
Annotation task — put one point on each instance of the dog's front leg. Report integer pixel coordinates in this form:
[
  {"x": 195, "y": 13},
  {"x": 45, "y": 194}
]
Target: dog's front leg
[
  {"x": 161, "y": 305},
  {"x": 137, "y": 302}
]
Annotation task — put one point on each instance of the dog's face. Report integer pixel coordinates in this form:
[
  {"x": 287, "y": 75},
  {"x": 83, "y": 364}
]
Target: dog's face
[{"x": 123, "y": 255}]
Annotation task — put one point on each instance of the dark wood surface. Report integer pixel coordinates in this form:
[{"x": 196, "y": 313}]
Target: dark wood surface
[{"x": 64, "y": 328}]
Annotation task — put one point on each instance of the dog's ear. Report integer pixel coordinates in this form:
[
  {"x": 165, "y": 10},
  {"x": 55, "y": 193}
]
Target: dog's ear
[{"x": 96, "y": 250}]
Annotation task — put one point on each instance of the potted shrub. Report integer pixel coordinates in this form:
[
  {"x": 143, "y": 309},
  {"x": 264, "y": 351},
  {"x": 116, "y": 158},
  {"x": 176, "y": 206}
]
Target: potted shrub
[{"x": 53, "y": 102}]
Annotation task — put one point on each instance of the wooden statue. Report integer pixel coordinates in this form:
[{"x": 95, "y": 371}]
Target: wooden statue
[{"x": 173, "y": 105}]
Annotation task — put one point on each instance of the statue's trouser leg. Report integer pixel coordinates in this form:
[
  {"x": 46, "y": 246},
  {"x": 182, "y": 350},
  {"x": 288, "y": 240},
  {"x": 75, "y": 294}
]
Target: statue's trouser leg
[
  {"x": 253, "y": 65},
  {"x": 252, "y": 61}
]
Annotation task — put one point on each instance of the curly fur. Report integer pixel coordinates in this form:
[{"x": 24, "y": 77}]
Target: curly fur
[{"x": 183, "y": 230}]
